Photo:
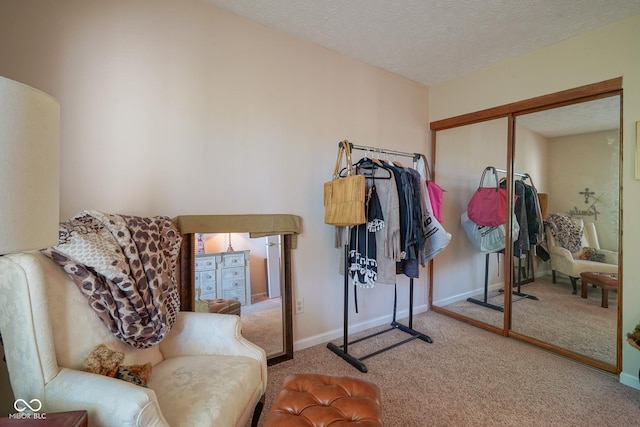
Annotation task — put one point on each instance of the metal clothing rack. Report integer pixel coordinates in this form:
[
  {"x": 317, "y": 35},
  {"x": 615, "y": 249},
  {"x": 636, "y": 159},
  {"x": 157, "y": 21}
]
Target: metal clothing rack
[
  {"x": 484, "y": 302},
  {"x": 343, "y": 350}
]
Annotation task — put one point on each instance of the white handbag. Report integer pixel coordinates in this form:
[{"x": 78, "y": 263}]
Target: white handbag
[{"x": 488, "y": 238}]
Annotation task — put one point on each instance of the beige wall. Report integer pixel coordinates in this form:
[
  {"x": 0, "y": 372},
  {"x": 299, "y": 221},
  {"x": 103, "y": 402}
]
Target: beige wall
[
  {"x": 598, "y": 155},
  {"x": 176, "y": 107},
  {"x": 609, "y": 52}
]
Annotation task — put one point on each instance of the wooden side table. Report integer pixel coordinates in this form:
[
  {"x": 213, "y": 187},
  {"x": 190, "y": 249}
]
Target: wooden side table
[
  {"x": 604, "y": 280},
  {"x": 49, "y": 419}
]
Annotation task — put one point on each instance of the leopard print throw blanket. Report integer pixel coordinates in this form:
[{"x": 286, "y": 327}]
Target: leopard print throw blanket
[
  {"x": 125, "y": 266},
  {"x": 567, "y": 230}
]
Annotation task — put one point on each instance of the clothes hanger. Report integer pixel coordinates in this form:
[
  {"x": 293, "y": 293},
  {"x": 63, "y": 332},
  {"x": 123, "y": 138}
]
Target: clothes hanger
[
  {"x": 398, "y": 164},
  {"x": 370, "y": 162}
]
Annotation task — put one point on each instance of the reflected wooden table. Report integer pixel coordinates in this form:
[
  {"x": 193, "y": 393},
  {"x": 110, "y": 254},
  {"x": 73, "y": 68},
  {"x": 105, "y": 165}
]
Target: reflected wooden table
[{"x": 606, "y": 281}]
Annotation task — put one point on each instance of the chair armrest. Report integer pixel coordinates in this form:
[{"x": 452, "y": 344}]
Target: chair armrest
[
  {"x": 610, "y": 257},
  {"x": 108, "y": 401},
  {"x": 196, "y": 334},
  {"x": 561, "y": 252}
]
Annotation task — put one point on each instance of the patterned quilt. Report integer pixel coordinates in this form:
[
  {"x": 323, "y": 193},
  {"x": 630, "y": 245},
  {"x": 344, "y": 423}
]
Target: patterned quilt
[{"x": 125, "y": 266}]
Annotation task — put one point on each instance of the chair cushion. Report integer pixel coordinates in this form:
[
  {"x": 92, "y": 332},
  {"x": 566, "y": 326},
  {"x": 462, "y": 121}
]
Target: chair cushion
[{"x": 188, "y": 397}]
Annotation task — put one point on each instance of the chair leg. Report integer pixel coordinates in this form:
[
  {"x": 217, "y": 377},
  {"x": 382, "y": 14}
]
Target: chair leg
[
  {"x": 553, "y": 276},
  {"x": 257, "y": 411},
  {"x": 574, "y": 284}
]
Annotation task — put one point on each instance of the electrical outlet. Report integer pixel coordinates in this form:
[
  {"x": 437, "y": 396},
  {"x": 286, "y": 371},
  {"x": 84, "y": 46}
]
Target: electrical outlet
[{"x": 300, "y": 306}]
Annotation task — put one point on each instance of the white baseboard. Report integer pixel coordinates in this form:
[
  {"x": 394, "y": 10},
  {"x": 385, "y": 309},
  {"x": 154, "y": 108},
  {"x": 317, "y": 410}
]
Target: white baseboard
[
  {"x": 492, "y": 289},
  {"x": 358, "y": 327},
  {"x": 630, "y": 380},
  {"x": 461, "y": 297}
]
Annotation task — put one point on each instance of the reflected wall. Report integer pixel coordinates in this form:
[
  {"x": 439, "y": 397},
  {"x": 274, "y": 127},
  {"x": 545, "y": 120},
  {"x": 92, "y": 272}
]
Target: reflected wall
[{"x": 461, "y": 155}]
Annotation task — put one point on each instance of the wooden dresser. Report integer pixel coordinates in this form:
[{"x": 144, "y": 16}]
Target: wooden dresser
[{"x": 224, "y": 275}]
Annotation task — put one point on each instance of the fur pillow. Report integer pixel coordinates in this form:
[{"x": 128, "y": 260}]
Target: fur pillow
[
  {"x": 591, "y": 254},
  {"x": 104, "y": 361}
]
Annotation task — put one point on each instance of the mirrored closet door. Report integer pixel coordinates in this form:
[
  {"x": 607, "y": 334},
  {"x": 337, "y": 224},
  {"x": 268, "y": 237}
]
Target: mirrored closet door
[
  {"x": 470, "y": 282},
  {"x": 575, "y": 153},
  {"x": 567, "y": 147}
]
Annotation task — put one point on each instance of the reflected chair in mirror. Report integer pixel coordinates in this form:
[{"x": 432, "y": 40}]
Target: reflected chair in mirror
[{"x": 589, "y": 258}]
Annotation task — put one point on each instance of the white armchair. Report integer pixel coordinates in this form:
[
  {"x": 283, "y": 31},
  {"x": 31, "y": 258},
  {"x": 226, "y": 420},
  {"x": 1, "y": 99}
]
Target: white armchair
[
  {"x": 571, "y": 264},
  {"x": 204, "y": 372}
]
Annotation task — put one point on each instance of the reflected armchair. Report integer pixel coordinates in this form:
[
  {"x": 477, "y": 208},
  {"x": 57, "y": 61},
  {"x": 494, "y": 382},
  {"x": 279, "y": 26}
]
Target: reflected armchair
[
  {"x": 204, "y": 372},
  {"x": 572, "y": 264}
]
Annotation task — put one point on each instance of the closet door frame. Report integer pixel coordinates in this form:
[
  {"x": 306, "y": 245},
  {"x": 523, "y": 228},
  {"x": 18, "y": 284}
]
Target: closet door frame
[{"x": 511, "y": 111}]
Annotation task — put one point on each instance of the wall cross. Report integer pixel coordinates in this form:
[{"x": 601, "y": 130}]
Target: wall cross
[{"x": 586, "y": 193}]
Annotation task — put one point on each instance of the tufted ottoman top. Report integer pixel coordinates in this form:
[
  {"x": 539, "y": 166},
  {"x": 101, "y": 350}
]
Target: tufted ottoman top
[{"x": 323, "y": 401}]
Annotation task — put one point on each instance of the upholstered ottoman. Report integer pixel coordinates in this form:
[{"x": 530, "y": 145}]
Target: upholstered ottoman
[
  {"x": 223, "y": 306},
  {"x": 321, "y": 400}
]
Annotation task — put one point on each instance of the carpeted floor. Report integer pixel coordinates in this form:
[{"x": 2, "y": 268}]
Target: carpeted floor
[
  {"x": 262, "y": 324},
  {"x": 472, "y": 377},
  {"x": 557, "y": 317}
]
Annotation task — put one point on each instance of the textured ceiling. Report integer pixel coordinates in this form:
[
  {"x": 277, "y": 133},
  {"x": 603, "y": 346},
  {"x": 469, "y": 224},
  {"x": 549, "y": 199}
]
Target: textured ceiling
[
  {"x": 592, "y": 116},
  {"x": 432, "y": 41}
]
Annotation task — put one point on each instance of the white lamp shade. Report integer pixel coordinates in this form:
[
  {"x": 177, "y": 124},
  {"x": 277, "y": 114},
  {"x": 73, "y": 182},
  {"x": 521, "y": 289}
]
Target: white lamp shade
[{"x": 29, "y": 168}]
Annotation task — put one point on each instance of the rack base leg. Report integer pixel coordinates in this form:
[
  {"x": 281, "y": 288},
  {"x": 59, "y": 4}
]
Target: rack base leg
[
  {"x": 486, "y": 304},
  {"x": 520, "y": 294},
  {"x": 411, "y": 331},
  {"x": 347, "y": 357}
]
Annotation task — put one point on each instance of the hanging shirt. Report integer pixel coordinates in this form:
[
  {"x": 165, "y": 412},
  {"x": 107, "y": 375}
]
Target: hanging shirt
[{"x": 362, "y": 263}]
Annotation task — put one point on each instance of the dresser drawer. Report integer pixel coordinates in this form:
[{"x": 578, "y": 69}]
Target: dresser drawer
[
  {"x": 209, "y": 287},
  {"x": 232, "y": 273},
  {"x": 233, "y": 284},
  {"x": 236, "y": 295},
  {"x": 208, "y": 263},
  {"x": 202, "y": 278},
  {"x": 233, "y": 260},
  {"x": 207, "y": 278},
  {"x": 209, "y": 295}
]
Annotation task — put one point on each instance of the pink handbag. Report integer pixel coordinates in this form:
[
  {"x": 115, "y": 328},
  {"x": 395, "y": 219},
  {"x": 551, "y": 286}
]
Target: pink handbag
[
  {"x": 436, "y": 196},
  {"x": 436, "y": 193},
  {"x": 488, "y": 205}
]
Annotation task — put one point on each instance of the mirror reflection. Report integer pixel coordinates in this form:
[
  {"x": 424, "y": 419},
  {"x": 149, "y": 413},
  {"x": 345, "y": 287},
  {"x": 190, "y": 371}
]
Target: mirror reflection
[
  {"x": 468, "y": 282},
  {"x": 575, "y": 153},
  {"x": 237, "y": 274}
]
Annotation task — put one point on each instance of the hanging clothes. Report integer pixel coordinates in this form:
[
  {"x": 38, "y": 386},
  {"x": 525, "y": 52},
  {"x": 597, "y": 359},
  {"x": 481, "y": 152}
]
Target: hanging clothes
[
  {"x": 409, "y": 264},
  {"x": 388, "y": 238},
  {"x": 363, "y": 266},
  {"x": 410, "y": 236},
  {"x": 405, "y": 220},
  {"x": 534, "y": 214}
]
